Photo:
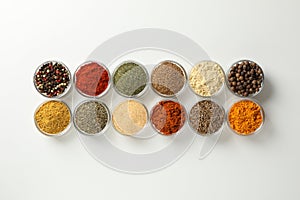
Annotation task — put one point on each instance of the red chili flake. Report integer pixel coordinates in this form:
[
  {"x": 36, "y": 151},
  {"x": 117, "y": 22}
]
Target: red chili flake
[
  {"x": 168, "y": 117},
  {"x": 91, "y": 79}
]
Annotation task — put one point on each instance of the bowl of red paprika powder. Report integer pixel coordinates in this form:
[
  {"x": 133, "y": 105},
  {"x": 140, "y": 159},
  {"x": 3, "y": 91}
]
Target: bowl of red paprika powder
[{"x": 92, "y": 79}]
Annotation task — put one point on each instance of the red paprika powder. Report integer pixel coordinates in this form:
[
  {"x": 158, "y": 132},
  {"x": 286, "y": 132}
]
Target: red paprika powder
[
  {"x": 168, "y": 117},
  {"x": 92, "y": 79}
]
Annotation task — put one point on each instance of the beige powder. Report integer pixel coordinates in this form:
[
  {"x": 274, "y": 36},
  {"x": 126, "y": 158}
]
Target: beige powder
[
  {"x": 129, "y": 117},
  {"x": 206, "y": 78}
]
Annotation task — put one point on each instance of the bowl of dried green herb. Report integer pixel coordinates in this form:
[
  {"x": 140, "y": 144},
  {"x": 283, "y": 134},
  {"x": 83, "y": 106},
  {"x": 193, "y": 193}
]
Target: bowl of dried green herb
[{"x": 130, "y": 79}]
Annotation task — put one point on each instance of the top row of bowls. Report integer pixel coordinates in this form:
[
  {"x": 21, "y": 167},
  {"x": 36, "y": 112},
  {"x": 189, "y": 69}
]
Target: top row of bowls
[{"x": 244, "y": 78}]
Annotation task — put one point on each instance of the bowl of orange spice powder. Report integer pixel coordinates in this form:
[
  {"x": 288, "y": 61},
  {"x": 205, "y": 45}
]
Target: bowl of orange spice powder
[{"x": 245, "y": 117}]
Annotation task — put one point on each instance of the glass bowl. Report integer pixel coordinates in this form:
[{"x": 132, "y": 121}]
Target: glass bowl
[
  {"x": 39, "y": 74},
  {"x": 251, "y": 94},
  {"x": 83, "y": 93},
  {"x": 258, "y": 129},
  {"x": 50, "y": 121},
  {"x": 180, "y": 68}
]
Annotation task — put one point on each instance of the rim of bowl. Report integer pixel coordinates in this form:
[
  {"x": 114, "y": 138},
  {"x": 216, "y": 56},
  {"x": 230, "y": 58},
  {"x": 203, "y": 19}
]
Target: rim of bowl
[
  {"x": 108, "y": 117},
  {"x": 208, "y": 134},
  {"x": 63, "y": 132},
  {"x": 250, "y": 95},
  {"x": 67, "y": 88},
  {"x": 136, "y": 133},
  {"x": 184, "y": 74},
  {"x": 220, "y": 89},
  {"x": 109, "y": 79},
  {"x": 147, "y": 81},
  {"x": 179, "y": 130},
  {"x": 261, "y": 111}
]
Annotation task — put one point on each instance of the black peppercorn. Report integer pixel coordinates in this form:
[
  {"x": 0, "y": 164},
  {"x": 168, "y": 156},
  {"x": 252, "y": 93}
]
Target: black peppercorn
[{"x": 52, "y": 79}]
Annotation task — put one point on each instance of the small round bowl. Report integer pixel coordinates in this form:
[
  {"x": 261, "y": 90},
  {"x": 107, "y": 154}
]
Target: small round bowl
[
  {"x": 256, "y": 130},
  {"x": 182, "y": 125},
  {"x": 134, "y": 95},
  {"x": 207, "y": 134},
  {"x": 221, "y": 87},
  {"x": 39, "y": 87},
  {"x": 80, "y": 67},
  {"x": 182, "y": 70},
  {"x": 84, "y": 132},
  {"x": 235, "y": 93},
  {"x": 64, "y": 131},
  {"x": 134, "y": 133}
]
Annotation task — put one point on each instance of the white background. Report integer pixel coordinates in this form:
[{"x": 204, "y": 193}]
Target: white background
[{"x": 266, "y": 166}]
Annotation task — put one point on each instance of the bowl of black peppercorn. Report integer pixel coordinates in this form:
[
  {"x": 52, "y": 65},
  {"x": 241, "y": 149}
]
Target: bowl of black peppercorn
[
  {"x": 245, "y": 78},
  {"x": 52, "y": 79}
]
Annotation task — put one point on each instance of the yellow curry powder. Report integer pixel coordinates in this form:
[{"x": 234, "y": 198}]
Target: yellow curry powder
[
  {"x": 52, "y": 117},
  {"x": 245, "y": 117}
]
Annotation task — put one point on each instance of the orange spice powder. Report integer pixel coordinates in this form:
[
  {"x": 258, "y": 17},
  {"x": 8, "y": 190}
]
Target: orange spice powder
[{"x": 245, "y": 117}]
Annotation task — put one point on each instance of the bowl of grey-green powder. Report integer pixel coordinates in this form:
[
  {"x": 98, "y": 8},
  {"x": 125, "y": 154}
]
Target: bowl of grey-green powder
[
  {"x": 206, "y": 117},
  {"x": 130, "y": 79},
  {"x": 91, "y": 117}
]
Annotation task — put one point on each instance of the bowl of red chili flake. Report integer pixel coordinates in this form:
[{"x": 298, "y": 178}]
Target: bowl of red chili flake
[
  {"x": 52, "y": 79},
  {"x": 92, "y": 79},
  {"x": 168, "y": 117}
]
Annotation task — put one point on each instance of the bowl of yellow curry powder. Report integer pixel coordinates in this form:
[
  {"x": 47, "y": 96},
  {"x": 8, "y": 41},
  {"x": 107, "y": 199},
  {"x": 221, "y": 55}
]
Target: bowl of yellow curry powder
[{"x": 53, "y": 118}]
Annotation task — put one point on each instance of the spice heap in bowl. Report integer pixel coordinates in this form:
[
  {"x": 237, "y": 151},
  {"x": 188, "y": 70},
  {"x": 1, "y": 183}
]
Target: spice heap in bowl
[
  {"x": 52, "y": 79},
  {"x": 91, "y": 117},
  {"x": 168, "y": 117},
  {"x": 206, "y": 117},
  {"x": 245, "y": 78},
  {"x": 129, "y": 117},
  {"x": 206, "y": 78},
  {"x": 53, "y": 118},
  {"x": 130, "y": 79},
  {"x": 168, "y": 78},
  {"x": 92, "y": 79},
  {"x": 245, "y": 117}
]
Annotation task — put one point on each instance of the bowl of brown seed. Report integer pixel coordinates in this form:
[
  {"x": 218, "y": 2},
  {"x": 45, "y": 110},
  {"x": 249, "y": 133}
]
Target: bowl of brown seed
[
  {"x": 168, "y": 78},
  {"x": 245, "y": 78},
  {"x": 206, "y": 117}
]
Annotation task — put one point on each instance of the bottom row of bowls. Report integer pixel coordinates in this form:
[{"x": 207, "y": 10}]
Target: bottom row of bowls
[{"x": 167, "y": 117}]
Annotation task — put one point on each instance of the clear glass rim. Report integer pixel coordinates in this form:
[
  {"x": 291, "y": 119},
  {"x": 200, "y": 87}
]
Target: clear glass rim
[
  {"x": 261, "y": 111},
  {"x": 228, "y": 84},
  {"x": 147, "y": 117},
  {"x": 63, "y": 132},
  {"x": 185, "y": 116},
  {"x": 108, "y": 117},
  {"x": 109, "y": 79},
  {"x": 219, "y": 90},
  {"x": 208, "y": 134},
  {"x": 184, "y": 74},
  {"x": 147, "y": 81},
  {"x": 69, "y": 83}
]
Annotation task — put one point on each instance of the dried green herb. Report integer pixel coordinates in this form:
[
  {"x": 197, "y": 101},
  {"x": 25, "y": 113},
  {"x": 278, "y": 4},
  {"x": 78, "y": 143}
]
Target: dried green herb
[
  {"x": 91, "y": 117},
  {"x": 130, "y": 79}
]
